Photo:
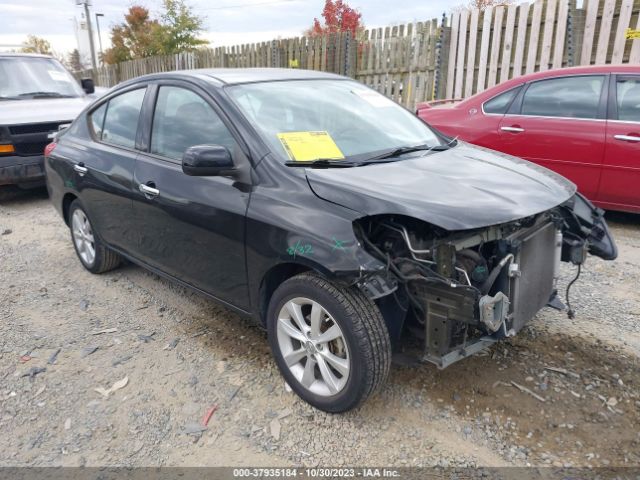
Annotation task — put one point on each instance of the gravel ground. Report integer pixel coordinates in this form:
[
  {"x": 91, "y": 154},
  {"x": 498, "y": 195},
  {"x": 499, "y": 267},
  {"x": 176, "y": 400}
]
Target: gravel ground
[{"x": 65, "y": 333}]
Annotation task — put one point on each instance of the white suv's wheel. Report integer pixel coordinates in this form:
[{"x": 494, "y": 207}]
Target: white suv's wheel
[{"x": 330, "y": 342}]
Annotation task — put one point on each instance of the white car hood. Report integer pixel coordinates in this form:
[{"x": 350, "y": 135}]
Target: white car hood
[{"x": 41, "y": 110}]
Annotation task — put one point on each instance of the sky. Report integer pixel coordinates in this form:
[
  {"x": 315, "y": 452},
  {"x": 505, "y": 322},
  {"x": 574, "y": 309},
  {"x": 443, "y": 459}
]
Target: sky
[{"x": 227, "y": 22}]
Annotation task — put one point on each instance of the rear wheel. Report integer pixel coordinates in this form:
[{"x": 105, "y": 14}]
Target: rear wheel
[
  {"x": 330, "y": 342},
  {"x": 93, "y": 254}
]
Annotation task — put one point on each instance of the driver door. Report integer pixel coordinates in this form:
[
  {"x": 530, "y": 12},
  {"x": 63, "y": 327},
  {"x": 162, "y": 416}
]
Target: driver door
[{"x": 191, "y": 228}]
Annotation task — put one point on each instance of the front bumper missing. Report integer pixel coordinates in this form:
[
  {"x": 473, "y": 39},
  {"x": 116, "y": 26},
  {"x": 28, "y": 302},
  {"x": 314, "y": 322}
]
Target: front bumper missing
[{"x": 455, "y": 318}]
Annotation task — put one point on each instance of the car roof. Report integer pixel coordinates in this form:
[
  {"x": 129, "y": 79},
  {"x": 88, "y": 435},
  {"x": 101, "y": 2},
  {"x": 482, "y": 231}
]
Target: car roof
[
  {"x": 19, "y": 54},
  {"x": 586, "y": 69},
  {"x": 233, "y": 76}
]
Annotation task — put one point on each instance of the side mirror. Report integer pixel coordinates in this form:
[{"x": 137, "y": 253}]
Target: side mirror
[
  {"x": 207, "y": 161},
  {"x": 88, "y": 86}
]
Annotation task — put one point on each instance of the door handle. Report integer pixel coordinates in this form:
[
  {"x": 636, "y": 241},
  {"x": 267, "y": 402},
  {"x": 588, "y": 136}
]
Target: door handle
[
  {"x": 148, "y": 191},
  {"x": 81, "y": 169},
  {"x": 512, "y": 129},
  {"x": 627, "y": 138}
]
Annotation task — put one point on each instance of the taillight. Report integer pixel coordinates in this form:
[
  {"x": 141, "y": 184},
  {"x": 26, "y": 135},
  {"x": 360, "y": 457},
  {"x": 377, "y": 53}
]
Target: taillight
[{"x": 49, "y": 148}]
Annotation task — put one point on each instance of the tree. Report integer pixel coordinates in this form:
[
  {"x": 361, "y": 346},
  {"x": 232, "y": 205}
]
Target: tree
[
  {"x": 73, "y": 61},
  {"x": 138, "y": 36},
  {"x": 180, "y": 28},
  {"x": 141, "y": 36},
  {"x": 34, "y": 44},
  {"x": 338, "y": 17},
  {"x": 484, "y": 4}
]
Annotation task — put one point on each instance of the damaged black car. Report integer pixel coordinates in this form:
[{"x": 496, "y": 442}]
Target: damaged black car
[{"x": 333, "y": 217}]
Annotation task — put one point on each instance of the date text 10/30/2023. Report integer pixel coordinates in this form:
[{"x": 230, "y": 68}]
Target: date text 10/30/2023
[{"x": 316, "y": 472}]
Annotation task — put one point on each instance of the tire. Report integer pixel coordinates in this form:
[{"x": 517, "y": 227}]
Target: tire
[
  {"x": 92, "y": 253},
  {"x": 363, "y": 346}
]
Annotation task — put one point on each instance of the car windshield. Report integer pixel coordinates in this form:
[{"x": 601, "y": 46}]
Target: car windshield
[
  {"x": 35, "y": 77},
  {"x": 330, "y": 119}
]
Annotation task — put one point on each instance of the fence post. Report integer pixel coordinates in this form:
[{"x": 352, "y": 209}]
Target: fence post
[
  {"x": 570, "y": 45},
  {"x": 437, "y": 72},
  {"x": 347, "y": 54}
]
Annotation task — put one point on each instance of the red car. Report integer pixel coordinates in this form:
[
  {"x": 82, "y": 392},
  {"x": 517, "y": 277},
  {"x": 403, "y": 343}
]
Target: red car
[{"x": 582, "y": 122}]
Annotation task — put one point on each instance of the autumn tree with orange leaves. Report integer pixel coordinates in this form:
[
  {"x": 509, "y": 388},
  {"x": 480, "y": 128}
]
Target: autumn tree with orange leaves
[
  {"x": 141, "y": 36},
  {"x": 338, "y": 17}
]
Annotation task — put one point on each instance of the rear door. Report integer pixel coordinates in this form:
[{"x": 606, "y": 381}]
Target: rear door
[
  {"x": 620, "y": 183},
  {"x": 560, "y": 124},
  {"x": 193, "y": 228},
  {"x": 105, "y": 175}
]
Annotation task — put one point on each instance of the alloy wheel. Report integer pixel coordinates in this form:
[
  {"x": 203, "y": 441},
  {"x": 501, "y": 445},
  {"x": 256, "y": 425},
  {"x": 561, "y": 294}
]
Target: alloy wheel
[
  {"x": 313, "y": 346},
  {"x": 83, "y": 237}
]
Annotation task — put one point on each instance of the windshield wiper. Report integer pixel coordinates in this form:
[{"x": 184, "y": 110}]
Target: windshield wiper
[
  {"x": 44, "y": 95},
  {"x": 415, "y": 148},
  {"x": 322, "y": 163}
]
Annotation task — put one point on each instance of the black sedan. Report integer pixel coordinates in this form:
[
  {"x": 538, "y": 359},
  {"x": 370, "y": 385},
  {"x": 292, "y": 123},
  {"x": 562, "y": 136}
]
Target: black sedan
[{"x": 330, "y": 215}]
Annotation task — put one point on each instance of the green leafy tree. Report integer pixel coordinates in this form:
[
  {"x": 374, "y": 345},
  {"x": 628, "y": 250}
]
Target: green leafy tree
[
  {"x": 140, "y": 35},
  {"x": 180, "y": 27},
  {"x": 34, "y": 44}
]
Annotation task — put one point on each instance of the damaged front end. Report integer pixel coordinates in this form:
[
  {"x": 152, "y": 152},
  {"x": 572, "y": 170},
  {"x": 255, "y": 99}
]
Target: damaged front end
[{"x": 461, "y": 291}]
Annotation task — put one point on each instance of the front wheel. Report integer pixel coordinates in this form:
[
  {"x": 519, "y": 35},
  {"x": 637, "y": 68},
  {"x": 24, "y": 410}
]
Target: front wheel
[
  {"x": 93, "y": 254},
  {"x": 330, "y": 342}
]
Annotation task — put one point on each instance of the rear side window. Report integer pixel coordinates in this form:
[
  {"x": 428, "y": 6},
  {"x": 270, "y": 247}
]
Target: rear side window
[
  {"x": 97, "y": 120},
  {"x": 121, "y": 119},
  {"x": 628, "y": 99},
  {"x": 183, "y": 119},
  {"x": 571, "y": 97},
  {"x": 500, "y": 103}
]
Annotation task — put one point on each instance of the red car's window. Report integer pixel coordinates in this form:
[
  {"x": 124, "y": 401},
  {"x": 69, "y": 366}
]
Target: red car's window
[
  {"x": 570, "y": 97},
  {"x": 500, "y": 103},
  {"x": 628, "y": 98}
]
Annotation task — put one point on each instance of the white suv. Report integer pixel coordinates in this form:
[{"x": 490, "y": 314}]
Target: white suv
[{"x": 37, "y": 96}]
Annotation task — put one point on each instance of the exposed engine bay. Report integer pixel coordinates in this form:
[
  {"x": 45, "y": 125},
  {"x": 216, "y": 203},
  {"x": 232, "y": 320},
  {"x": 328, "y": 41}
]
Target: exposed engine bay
[{"x": 462, "y": 291}]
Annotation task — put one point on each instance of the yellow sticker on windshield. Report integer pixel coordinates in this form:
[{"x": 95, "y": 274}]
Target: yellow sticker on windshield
[{"x": 307, "y": 146}]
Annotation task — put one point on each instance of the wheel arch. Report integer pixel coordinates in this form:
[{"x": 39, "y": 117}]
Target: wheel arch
[
  {"x": 279, "y": 274},
  {"x": 67, "y": 200}
]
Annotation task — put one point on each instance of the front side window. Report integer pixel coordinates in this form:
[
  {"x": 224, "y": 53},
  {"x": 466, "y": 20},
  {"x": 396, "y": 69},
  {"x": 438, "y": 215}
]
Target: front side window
[
  {"x": 23, "y": 77},
  {"x": 500, "y": 103},
  {"x": 183, "y": 119},
  {"x": 570, "y": 97},
  {"x": 328, "y": 118},
  {"x": 628, "y": 99},
  {"x": 121, "y": 119}
]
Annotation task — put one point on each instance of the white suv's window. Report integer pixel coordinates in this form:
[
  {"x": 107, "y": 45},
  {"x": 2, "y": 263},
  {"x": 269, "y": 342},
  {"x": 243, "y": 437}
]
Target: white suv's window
[{"x": 23, "y": 77}]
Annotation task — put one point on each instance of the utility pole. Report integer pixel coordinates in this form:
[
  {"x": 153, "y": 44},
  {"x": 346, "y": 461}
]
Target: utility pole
[
  {"x": 87, "y": 16},
  {"x": 98, "y": 15}
]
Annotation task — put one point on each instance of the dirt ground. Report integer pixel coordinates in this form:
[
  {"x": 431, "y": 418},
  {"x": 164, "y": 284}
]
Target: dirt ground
[{"x": 563, "y": 392}]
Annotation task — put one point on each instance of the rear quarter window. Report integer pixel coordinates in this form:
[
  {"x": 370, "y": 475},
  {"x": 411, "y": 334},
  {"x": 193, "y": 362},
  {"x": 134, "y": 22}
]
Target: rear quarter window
[
  {"x": 500, "y": 103},
  {"x": 120, "y": 124},
  {"x": 96, "y": 121}
]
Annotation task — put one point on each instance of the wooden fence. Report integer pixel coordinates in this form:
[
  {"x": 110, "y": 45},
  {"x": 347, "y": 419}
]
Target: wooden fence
[{"x": 452, "y": 57}]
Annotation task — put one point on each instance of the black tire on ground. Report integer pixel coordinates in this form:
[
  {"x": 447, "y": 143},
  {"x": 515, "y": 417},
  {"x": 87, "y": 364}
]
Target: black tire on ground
[
  {"x": 363, "y": 328},
  {"x": 105, "y": 259}
]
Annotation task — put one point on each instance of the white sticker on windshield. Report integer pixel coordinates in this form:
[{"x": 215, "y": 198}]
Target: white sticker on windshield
[
  {"x": 58, "y": 76},
  {"x": 374, "y": 98}
]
